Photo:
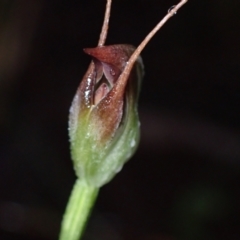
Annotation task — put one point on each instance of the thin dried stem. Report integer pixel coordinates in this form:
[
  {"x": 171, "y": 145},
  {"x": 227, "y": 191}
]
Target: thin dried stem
[
  {"x": 104, "y": 31},
  {"x": 139, "y": 49}
]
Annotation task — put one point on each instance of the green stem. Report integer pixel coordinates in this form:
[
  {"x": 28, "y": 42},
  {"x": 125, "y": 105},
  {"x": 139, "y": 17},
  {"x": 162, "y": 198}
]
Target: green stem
[{"x": 78, "y": 209}]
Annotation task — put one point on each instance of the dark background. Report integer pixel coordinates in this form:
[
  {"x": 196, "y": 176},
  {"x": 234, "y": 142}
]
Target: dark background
[{"x": 183, "y": 182}]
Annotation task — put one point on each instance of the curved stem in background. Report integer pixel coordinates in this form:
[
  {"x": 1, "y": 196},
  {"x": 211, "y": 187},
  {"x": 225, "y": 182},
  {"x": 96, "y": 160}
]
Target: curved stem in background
[
  {"x": 171, "y": 12},
  {"x": 78, "y": 209}
]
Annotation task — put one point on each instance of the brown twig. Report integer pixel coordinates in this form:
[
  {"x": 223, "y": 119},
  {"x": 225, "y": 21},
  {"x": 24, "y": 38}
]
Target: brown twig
[
  {"x": 139, "y": 49},
  {"x": 104, "y": 31}
]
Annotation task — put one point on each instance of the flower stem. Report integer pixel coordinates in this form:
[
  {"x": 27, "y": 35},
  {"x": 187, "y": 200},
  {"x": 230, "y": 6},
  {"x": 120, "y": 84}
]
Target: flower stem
[{"x": 78, "y": 209}]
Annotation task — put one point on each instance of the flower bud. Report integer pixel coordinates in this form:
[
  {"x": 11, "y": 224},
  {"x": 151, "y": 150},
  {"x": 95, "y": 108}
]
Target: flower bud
[{"x": 103, "y": 121}]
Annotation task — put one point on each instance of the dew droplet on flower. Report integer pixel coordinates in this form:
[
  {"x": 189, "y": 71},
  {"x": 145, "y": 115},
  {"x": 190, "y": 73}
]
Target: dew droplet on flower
[
  {"x": 112, "y": 72},
  {"x": 171, "y": 8},
  {"x": 133, "y": 143}
]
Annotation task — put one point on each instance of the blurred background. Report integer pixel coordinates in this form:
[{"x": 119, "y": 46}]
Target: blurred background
[{"x": 183, "y": 182}]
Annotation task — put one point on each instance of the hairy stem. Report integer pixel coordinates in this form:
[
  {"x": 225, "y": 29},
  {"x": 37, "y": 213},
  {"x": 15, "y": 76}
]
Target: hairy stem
[
  {"x": 104, "y": 31},
  {"x": 78, "y": 209},
  {"x": 139, "y": 49}
]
